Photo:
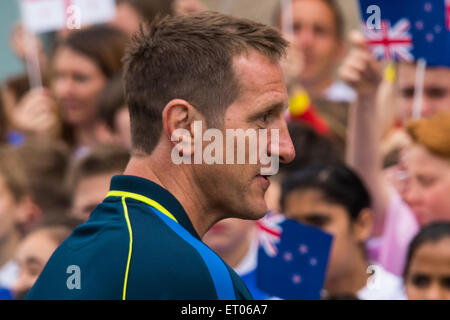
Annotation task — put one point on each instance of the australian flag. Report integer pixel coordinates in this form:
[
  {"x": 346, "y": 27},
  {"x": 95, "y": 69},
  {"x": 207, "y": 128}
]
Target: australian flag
[
  {"x": 292, "y": 258},
  {"x": 408, "y": 30}
]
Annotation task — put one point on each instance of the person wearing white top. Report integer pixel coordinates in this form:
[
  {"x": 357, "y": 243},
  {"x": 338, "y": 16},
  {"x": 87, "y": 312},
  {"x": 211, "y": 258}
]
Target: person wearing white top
[{"x": 332, "y": 198}]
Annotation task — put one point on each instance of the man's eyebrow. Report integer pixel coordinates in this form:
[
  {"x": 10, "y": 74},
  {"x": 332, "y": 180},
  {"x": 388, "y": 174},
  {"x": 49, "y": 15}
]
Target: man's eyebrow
[{"x": 277, "y": 107}]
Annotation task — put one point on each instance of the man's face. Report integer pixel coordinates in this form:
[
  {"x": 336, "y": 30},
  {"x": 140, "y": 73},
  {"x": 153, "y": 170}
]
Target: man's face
[
  {"x": 315, "y": 36},
  {"x": 428, "y": 185},
  {"x": 428, "y": 277},
  {"x": 309, "y": 207},
  {"x": 436, "y": 91},
  {"x": 238, "y": 190}
]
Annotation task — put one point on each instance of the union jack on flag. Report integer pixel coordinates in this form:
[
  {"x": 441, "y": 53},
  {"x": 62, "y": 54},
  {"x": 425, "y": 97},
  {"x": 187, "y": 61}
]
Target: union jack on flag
[
  {"x": 409, "y": 30},
  {"x": 391, "y": 42},
  {"x": 292, "y": 258},
  {"x": 270, "y": 233}
]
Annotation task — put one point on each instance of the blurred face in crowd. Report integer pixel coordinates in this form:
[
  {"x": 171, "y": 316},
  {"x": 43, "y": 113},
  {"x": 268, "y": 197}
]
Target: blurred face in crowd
[
  {"x": 310, "y": 207},
  {"x": 77, "y": 83},
  {"x": 436, "y": 93},
  {"x": 239, "y": 188},
  {"x": 126, "y": 19},
  {"x": 315, "y": 36},
  {"x": 428, "y": 185},
  {"x": 428, "y": 277},
  {"x": 89, "y": 192},
  {"x": 32, "y": 254}
]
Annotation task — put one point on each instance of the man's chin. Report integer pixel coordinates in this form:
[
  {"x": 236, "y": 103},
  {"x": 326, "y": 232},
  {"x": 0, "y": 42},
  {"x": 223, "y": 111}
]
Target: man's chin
[{"x": 256, "y": 212}]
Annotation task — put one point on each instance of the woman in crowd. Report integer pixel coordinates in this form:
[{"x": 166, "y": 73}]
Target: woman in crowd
[{"x": 82, "y": 64}]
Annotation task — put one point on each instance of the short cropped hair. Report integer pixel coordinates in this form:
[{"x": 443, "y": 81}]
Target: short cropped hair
[{"x": 189, "y": 57}]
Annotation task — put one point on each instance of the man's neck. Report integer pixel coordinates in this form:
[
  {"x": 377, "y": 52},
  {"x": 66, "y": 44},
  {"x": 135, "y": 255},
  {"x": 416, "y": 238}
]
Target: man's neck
[{"x": 176, "y": 181}]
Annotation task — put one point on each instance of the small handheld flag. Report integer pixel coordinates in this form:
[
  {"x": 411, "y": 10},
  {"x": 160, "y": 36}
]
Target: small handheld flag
[
  {"x": 292, "y": 258},
  {"x": 408, "y": 30}
]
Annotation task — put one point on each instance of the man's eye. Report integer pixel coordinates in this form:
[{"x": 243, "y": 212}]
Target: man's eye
[
  {"x": 407, "y": 93},
  {"x": 265, "y": 117},
  {"x": 436, "y": 93},
  {"x": 320, "y": 31}
]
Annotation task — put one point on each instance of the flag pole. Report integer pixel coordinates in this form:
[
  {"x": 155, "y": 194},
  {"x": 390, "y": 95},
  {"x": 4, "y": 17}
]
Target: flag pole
[
  {"x": 32, "y": 61},
  {"x": 418, "y": 91},
  {"x": 31, "y": 55}
]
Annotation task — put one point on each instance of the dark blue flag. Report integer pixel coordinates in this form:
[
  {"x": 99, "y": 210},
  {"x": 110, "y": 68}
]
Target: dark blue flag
[
  {"x": 292, "y": 258},
  {"x": 409, "y": 30}
]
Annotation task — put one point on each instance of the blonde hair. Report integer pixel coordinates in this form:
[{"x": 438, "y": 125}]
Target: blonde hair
[{"x": 432, "y": 133}]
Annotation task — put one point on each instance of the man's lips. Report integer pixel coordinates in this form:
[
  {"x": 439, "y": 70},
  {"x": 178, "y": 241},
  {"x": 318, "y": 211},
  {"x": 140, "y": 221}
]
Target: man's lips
[{"x": 264, "y": 180}]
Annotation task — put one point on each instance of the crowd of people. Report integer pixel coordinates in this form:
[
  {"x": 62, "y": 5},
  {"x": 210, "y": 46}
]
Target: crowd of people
[{"x": 375, "y": 178}]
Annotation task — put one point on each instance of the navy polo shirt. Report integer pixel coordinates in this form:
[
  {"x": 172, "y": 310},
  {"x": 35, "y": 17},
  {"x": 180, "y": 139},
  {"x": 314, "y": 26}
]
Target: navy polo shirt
[{"x": 137, "y": 244}]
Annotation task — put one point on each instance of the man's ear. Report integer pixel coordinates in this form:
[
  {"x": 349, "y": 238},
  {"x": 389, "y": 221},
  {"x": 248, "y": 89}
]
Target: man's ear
[
  {"x": 363, "y": 225},
  {"x": 178, "y": 124}
]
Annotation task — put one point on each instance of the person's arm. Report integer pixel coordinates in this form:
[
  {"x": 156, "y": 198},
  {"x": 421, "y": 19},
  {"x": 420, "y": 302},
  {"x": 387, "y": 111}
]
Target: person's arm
[{"x": 362, "y": 72}]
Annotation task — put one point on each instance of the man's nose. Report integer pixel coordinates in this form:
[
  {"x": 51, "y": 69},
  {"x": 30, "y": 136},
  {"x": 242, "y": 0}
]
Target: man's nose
[
  {"x": 427, "y": 107},
  {"x": 304, "y": 38},
  {"x": 286, "y": 147}
]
